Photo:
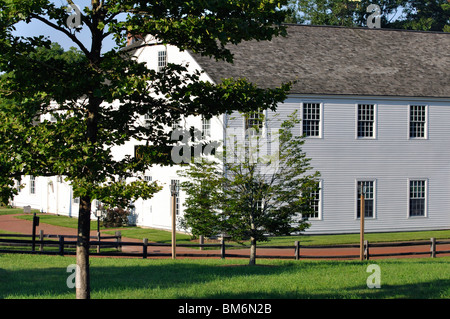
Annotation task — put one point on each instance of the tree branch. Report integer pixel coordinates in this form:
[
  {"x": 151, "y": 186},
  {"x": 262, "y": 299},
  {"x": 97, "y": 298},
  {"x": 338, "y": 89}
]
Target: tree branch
[{"x": 58, "y": 28}]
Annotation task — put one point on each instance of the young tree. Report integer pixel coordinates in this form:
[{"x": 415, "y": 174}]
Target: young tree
[
  {"x": 97, "y": 98},
  {"x": 266, "y": 193}
]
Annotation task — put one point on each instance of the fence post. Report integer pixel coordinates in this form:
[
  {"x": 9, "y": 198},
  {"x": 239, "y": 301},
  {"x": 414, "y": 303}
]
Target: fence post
[
  {"x": 98, "y": 246},
  {"x": 61, "y": 245},
  {"x": 366, "y": 252},
  {"x": 297, "y": 250},
  {"x": 433, "y": 247},
  {"x": 118, "y": 240},
  {"x": 201, "y": 241},
  {"x": 222, "y": 248},
  {"x": 144, "y": 248},
  {"x": 41, "y": 238}
]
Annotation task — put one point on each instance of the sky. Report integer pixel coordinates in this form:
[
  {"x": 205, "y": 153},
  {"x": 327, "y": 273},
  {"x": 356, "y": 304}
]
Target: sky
[{"x": 36, "y": 28}]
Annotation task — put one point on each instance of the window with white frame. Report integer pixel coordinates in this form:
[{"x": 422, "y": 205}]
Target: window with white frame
[
  {"x": 417, "y": 121},
  {"x": 147, "y": 178},
  {"x": 176, "y": 126},
  {"x": 162, "y": 60},
  {"x": 147, "y": 120},
  {"x": 32, "y": 185},
  {"x": 417, "y": 198},
  {"x": 315, "y": 202},
  {"x": 311, "y": 119},
  {"x": 366, "y": 120},
  {"x": 206, "y": 127},
  {"x": 367, "y": 187},
  {"x": 254, "y": 122}
]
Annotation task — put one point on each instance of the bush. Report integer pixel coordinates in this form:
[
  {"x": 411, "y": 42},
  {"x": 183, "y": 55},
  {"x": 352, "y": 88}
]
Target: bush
[{"x": 115, "y": 217}]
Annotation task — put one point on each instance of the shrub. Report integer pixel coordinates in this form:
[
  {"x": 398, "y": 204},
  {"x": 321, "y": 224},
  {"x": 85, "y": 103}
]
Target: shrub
[{"x": 115, "y": 217}]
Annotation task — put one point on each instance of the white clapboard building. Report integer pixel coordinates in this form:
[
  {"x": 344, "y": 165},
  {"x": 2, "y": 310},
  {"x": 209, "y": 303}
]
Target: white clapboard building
[{"x": 375, "y": 108}]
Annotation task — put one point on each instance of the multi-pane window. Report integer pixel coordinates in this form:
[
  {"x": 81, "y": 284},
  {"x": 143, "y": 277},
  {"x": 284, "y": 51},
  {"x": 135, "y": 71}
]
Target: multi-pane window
[
  {"x": 162, "y": 60},
  {"x": 206, "y": 127},
  {"x": 176, "y": 126},
  {"x": 32, "y": 185},
  {"x": 366, "y": 120},
  {"x": 417, "y": 121},
  {"x": 147, "y": 120},
  {"x": 147, "y": 178},
  {"x": 367, "y": 187},
  {"x": 254, "y": 122},
  {"x": 417, "y": 196},
  {"x": 315, "y": 202},
  {"x": 176, "y": 183},
  {"x": 311, "y": 119}
]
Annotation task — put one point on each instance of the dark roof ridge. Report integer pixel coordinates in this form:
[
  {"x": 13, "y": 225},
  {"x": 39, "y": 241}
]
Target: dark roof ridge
[{"x": 364, "y": 28}]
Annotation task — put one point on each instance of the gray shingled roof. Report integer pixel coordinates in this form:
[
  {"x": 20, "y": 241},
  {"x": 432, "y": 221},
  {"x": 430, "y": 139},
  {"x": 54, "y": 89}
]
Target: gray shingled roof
[{"x": 343, "y": 61}]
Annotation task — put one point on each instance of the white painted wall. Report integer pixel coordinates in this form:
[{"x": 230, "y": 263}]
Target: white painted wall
[{"x": 390, "y": 159}]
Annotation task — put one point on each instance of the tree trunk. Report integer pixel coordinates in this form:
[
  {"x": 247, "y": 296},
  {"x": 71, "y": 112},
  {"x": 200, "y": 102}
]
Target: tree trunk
[
  {"x": 84, "y": 219},
  {"x": 252, "y": 251}
]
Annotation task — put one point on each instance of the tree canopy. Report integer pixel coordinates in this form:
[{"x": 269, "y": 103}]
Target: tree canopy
[
  {"x": 64, "y": 113},
  {"x": 430, "y": 15}
]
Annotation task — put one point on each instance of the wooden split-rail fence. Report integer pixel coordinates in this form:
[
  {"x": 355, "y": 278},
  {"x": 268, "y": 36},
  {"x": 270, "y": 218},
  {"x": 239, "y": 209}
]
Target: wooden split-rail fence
[{"x": 114, "y": 246}]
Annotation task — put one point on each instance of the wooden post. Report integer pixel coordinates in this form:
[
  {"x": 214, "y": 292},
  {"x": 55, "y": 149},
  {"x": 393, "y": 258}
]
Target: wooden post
[
  {"x": 222, "y": 248},
  {"x": 144, "y": 248},
  {"x": 41, "y": 238},
  {"x": 366, "y": 244},
  {"x": 201, "y": 241},
  {"x": 297, "y": 250},
  {"x": 118, "y": 240},
  {"x": 361, "y": 217},
  {"x": 33, "y": 232},
  {"x": 174, "y": 238},
  {"x": 61, "y": 245},
  {"x": 98, "y": 238},
  {"x": 433, "y": 247}
]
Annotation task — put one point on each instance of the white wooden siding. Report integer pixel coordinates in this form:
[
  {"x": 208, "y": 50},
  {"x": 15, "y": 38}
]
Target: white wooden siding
[{"x": 390, "y": 159}]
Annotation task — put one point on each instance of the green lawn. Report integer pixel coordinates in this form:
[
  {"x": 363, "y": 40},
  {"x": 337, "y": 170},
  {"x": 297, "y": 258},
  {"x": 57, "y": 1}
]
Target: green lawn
[
  {"x": 57, "y": 220},
  {"x": 9, "y": 211},
  {"x": 28, "y": 276}
]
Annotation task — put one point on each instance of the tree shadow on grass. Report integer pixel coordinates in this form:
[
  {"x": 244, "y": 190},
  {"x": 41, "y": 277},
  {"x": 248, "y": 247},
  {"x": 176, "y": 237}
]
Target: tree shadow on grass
[
  {"x": 116, "y": 278},
  {"x": 52, "y": 282}
]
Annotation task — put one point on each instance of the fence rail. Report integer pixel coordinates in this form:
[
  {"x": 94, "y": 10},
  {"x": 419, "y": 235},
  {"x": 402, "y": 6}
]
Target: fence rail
[{"x": 114, "y": 247}]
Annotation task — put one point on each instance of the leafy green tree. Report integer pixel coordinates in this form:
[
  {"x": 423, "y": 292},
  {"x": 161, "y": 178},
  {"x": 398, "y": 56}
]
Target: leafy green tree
[
  {"x": 262, "y": 194},
  {"x": 93, "y": 100},
  {"x": 431, "y": 15}
]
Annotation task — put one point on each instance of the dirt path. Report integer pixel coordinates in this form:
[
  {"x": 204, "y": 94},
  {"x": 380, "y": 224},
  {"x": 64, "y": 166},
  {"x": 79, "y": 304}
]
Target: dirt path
[{"x": 12, "y": 224}]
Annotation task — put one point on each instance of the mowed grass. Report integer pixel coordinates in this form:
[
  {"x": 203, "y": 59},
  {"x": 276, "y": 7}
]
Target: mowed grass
[
  {"x": 9, "y": 211},
  {"x": 32, "y": 276}
]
